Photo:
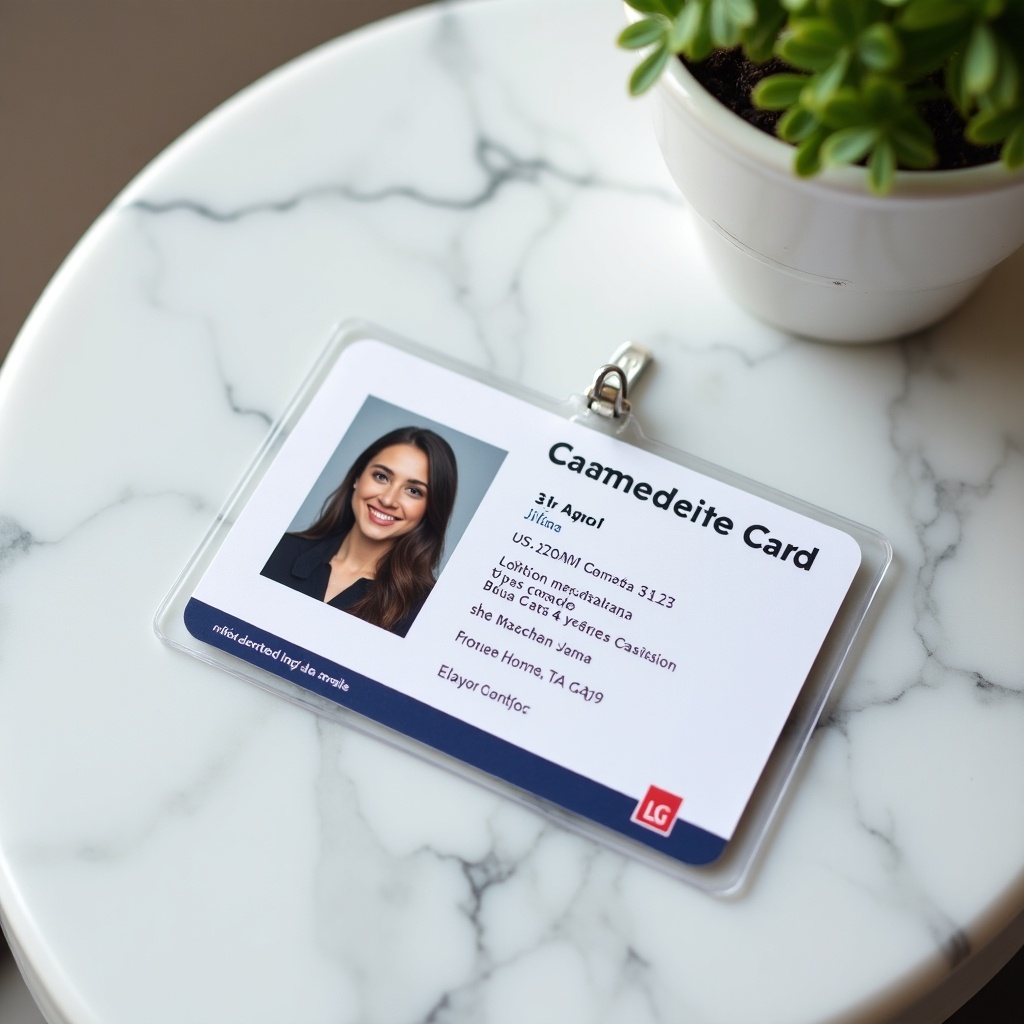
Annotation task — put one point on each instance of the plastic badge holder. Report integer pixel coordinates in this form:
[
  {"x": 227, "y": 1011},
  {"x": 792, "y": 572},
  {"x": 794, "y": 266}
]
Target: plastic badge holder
[{"x": 670, "y": 735}]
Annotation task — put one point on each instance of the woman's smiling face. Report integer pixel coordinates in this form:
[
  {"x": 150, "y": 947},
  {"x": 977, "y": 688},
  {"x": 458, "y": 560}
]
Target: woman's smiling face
[{"x": 390, "y": 496}]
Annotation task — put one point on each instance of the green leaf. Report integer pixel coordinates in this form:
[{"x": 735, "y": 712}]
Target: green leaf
[
  {"x": 912, "y": 149},
  {"x": 817, "y": 32},
  {"x": 913, "y": 127},
  {"x": 796, "y": 125},
  {"x": 824, "y": 86},
  {"x": 810, "y": 44},
  {"x": 702, "y": 44},
  {"x": 992, "y": 126},
  {"x": 843, "y": 15},
  {"x": 921, "y": 14},
  {"x": 759, "y": 48},
  {"x": 980, "y": 60},
  {"x": 778, "y": 92},
  {"x": 725, "y": 33},
  {"x": 1005, "y": 89},
  {"x": 652, "y": 7},
  {"x": 926, "y": 51},
  {"x": 881, "y": 168},
  {"x": 807, "y": 160},
  {"x": 759, "y": 37},
  {"x": 1013, "y": 150},
  {"x": 955, "y": 86},
  {"x": 648, "y": 70},
  {"x": 879, "y": 47},
  {"x": 883, "y": 97},
  {"x": 845, "y": 109},
  {"x": 848, "y": 145},
  {"x": 685, "y": 29},
  {"x": 741, "y": 12},
  {"x": 643, "y": 33}
]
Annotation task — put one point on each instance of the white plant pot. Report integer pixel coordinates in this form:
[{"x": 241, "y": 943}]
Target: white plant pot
[{"x": 823, "y": 257}]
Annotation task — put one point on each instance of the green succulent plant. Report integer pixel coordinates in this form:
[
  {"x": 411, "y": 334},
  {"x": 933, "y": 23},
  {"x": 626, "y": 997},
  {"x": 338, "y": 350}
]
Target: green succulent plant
[{"x": 859, "y": 71}]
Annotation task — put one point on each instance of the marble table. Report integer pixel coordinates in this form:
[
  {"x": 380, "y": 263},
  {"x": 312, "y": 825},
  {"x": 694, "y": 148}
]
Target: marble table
[{"x": 177, "y": 845}]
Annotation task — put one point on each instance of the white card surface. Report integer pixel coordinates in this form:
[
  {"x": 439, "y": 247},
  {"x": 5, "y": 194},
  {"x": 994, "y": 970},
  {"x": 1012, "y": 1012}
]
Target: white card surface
[{"x": 612, "y": 631}]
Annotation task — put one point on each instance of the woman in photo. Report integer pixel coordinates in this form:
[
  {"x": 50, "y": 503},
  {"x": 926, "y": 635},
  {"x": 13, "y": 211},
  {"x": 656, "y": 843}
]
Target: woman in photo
[{"x": 375, "y": 548}]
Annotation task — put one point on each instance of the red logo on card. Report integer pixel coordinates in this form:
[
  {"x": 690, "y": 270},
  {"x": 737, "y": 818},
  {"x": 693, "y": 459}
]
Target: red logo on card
[{"x": 657, "y": 810}]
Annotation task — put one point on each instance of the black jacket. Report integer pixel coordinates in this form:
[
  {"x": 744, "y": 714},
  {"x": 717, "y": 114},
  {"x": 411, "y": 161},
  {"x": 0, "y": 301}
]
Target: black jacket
[{"x": 305, "y": 566}]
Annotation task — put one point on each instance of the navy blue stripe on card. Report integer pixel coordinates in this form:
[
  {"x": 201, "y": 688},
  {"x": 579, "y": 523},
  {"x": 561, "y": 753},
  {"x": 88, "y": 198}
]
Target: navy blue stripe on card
[{"x": 497, "y": 757}]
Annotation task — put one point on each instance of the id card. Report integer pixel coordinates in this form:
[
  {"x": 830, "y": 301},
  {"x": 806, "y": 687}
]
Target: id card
[{"x": 609, "y": 630}]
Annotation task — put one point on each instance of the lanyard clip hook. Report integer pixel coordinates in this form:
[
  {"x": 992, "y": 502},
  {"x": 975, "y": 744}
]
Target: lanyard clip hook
[{"x": 609, "y": 394}]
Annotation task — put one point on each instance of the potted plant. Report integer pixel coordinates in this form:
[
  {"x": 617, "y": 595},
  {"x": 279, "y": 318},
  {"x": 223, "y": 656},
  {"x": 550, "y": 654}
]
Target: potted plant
[{"x": 805, "y": 236}]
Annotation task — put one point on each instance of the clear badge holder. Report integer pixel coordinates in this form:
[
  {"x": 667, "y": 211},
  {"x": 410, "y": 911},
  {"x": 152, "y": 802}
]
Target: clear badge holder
[{"x": 533, "y": 594}]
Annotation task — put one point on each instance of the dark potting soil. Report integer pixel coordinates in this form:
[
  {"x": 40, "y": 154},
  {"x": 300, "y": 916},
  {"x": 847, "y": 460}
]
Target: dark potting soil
[{"x": 730, "y": 77}]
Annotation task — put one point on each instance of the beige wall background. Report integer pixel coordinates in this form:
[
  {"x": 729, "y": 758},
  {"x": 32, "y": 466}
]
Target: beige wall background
[{"x": 92, "y": 90}]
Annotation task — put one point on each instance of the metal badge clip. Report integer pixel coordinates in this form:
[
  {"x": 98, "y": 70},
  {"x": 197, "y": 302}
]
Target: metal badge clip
[{"x": 609, "y": 394}]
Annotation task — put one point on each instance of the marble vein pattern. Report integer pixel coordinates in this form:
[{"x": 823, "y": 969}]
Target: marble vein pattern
[{"x": 474, "y": 177}]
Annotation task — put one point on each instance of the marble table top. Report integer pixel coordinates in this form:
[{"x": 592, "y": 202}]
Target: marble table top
[{"x": 177, "y": 845}]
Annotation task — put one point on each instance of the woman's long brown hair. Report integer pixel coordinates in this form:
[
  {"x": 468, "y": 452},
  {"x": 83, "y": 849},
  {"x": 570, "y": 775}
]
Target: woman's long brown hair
[{"x": 405, "y": 575}]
